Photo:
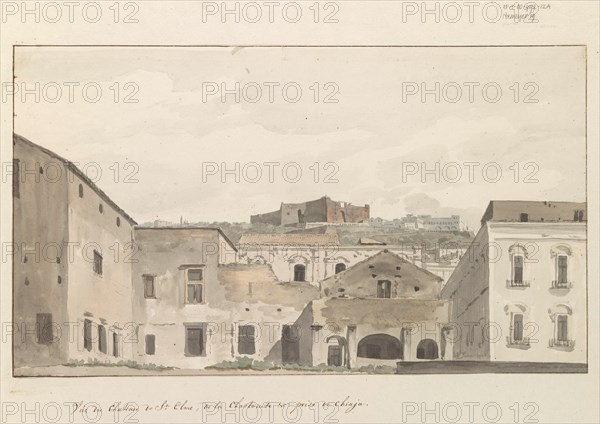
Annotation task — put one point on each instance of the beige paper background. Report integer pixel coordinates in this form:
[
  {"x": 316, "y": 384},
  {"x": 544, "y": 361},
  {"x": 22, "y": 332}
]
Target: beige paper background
[{"x": 554, "y": 398}]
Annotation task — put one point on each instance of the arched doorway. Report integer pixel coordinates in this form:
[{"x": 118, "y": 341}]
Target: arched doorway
[
  {"x": 299, "y": 272},
  {"x": 427, "y": 349},
  {"x": 340, "y": 267},
  {"x": 380, "y": 346},
  {"x": 337, "y": 351}
]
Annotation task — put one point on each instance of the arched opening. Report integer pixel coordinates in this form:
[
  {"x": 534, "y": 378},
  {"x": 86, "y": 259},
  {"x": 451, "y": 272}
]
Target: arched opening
[
  {"x": 340, "y": 267},
  {"x": 299, "y": 272},
  {"x": 380, "y": 346},
  {"x": 259, "y": 260},
  {"x": 427, "y": 349},
  {"x": 81, "y": 190}
]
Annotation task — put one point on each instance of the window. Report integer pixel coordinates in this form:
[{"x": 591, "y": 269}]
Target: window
[
  {"x": 562, "y": 334},
  {"x": 118, "y": 221},
  {"x": 149, "y": 292},
  {"x": 102, "y": 339},
  {"x": 150, "y": 344},
  {"x": 561, "y": 316},
  {"x": 115, "y": 340},
  {"x": 339, "y": 268},
  {"x": 517, "y": 269},
  {"x": 43, "y": 326},
  {"x": 87, "y": 335},
  {"x": 299, "y": 273},
  {"x": 384, "y": 289},
  {"x": 81, "y": 190},
  {"x": 16, "y": 178},
  {"x": 246, "y": 340},
  {"x": 194, "y": 286},
  {"x": 561, "y": 280},
  {"x": 194, "y": 340},
  {"x": 518, "y": 327},
  {"x": 100, "y": 208},
  {"x": 97, "y": 263},
  {"x": 578, "y": 216},
  {"x": 517, "y": 316},
  {"x": 561, "y": 270}
]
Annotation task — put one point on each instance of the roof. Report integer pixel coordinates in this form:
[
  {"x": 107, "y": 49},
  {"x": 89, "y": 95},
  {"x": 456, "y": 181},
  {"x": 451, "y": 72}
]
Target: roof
[
  {"x": 370, "y": 241},
  {"x": 321, "y": 229},
  {"x": 70, "y": 165},
  {"x": 290, "y": 239},
  {"x": 536, "y": 211},
  {"x": 188, "y": 228},
  {"x": 360, "y": 280}
]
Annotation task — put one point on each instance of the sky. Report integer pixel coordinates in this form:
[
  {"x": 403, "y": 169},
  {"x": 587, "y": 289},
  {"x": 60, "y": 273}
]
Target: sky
[{"x": 164, "y": 138}]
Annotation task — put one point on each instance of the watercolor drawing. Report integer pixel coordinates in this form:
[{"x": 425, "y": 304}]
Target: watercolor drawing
[{"x": 299, "y": 210}]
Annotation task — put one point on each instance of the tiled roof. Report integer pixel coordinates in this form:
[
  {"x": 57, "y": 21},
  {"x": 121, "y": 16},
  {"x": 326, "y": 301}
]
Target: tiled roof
[{"x": 290, "y": 239}]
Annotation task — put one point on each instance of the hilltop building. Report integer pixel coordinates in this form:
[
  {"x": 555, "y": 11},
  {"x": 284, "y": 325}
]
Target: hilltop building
[
  {"x": 323, "y": 210},
  {"x": 89, "y": 284}
]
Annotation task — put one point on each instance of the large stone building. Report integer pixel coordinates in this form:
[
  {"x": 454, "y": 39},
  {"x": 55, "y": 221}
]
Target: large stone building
[
  {"x": 313, "y": 257},
  {"x": 519, "y": 292},
  {"x": 71, "y": 263},
  {"x": 378, "y": 312},
  {"x": 89, "y": 284},
  {"x": 449, "y": 223},
  {"x": 197, "y": 307},
  {"x": 321, "y": 210},
  {"x": 423, "y": 222}
]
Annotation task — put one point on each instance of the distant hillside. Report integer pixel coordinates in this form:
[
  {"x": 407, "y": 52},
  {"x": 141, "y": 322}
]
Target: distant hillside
[{"x": 350, "y": 235}]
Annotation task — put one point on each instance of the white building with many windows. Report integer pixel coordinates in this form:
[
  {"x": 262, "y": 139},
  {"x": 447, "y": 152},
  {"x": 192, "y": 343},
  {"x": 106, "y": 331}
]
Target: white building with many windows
[{"x": 519, "y": 292}]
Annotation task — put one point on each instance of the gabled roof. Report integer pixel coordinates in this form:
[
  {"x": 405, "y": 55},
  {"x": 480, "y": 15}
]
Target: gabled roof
[
  {"x": 382, "y": 255},
  {"x": 362, "y": 279},
  {"x": 70, "y": 165},
  {"x": 290, "y": 239}
]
